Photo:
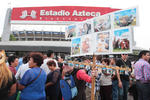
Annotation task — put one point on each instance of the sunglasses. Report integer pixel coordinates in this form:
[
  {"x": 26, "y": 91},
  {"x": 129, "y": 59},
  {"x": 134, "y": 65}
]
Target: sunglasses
[{"x": 124, "y": 54}]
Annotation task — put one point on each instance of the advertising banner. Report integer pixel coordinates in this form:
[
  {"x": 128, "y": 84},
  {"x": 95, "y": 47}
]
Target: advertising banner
[
  {"x": 70, "y": 31},
  {"x": 87, "y": 45},
  {"x": 102, "y": 23},
  {"x": 107, "y": 34},
  {"x": 84, "y": 28},
  {"x": 56, "y": 14},
  {"x": 102, "y": 41},
  {"x": 75, "y": 46},
  {"x": 126, "y": 18},
  {"x": 122, "y": 41}
]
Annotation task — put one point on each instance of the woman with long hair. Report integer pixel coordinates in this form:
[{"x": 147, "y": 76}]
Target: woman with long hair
[{"x": 7, "y": 80}]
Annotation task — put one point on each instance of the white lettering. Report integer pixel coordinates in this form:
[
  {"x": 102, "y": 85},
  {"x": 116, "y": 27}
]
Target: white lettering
[
  {"x": 88, "y": 13},
  {"x": 54, "y": 13},
  {"x": 92, "y": 13},
  {"x": 67, "y": 13},
  {"x": 42, "y": 12},
  {"x": 47, "y": 13},
  {"x": 61, "y": 13},
  {"x": 80, "y": 14},
  {"x": 98, "y": 14},
  {"x": 51, "y": 12},
  {"x": 83, "y": 12},
  {"x": 75, "y": 13}
]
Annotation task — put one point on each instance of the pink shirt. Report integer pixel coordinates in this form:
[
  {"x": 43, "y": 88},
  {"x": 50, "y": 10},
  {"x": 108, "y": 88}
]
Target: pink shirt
[
  {"x": 142, "y": 70},
  {"x": 13, "y": 70},
  {"x": 82, "y": 75}
]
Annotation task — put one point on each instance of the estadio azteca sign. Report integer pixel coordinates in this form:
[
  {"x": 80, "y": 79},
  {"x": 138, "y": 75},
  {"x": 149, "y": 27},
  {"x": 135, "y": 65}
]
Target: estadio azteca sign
[
  {"x": 67, "y": 13},
  {"x": 57, "y": 13}
]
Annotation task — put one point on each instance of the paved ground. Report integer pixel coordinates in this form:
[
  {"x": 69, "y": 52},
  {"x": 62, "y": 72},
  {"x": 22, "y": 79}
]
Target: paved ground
[{"x": 130, "y": 97}]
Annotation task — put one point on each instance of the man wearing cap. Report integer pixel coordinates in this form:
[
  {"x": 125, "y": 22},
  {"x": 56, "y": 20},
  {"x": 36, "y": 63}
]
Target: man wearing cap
[{"x": 80, "y": 77}]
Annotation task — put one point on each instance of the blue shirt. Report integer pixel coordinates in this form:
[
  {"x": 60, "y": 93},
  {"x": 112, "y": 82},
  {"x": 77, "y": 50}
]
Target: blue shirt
[
  {"x": 20, "y": 63},
  {"x": 36, "y": 90}
]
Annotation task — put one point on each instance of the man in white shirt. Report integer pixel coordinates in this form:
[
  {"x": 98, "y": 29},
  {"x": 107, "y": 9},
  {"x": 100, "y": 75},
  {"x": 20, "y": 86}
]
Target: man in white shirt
[
  {"x": 22, "y": 69},
  {"x": 50, "y": 56}
]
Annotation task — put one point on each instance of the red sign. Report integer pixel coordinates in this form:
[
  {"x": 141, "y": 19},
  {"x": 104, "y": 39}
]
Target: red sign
[{"x": 58, "y": 13}]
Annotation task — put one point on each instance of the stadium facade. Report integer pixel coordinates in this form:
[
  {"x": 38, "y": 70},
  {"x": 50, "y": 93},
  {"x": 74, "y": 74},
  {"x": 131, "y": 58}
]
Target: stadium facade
[{"x": 19, "y": 36}]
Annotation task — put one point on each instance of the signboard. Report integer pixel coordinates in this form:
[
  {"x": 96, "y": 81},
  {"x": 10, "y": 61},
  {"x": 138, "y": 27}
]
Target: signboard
[
  {"x": 76, "y": 46},
  {"x": 126, "y": 18},
  {"x": 84, "y": 28},
  {"x": 56, "y": 14},
  {"x": 70, "y": 31},
  {"x": 102, "y": 42},
  {"x": 102, "y": 23},
  {"x": 101, "y": 35},
  {"x": 87, "y": 45},
  {"x": 122, "y": 40}
]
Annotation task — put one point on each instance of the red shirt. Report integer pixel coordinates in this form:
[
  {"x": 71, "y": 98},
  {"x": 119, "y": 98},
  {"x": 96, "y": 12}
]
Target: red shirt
[
  {"x": 82, "y": 75},
  {"x": 13, "y": 70}
]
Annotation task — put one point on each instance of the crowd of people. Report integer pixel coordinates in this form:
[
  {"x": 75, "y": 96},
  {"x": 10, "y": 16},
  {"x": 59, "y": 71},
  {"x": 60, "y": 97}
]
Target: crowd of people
[{"x": 37, "y": 77}]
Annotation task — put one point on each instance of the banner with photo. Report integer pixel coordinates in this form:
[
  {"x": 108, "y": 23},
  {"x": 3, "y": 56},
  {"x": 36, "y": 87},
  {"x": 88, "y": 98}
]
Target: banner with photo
[
  {"x": 70, "y": 31},
  {"x": 122, "y": 41},
  {"x": 84, "y": 28},
  {"x": 75, "y": 46},
  {"x": 106, "y": 34},
  {"x": 102, "y": 43},
  {"x": 102, "y": 23},
  {"x": 124, "y": 18},
  {"x": 87, "y": 45}
]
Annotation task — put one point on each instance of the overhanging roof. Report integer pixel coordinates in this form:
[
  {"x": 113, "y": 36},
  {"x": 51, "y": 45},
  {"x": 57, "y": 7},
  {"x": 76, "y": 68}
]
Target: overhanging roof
[{"x": 57, "y": 46}]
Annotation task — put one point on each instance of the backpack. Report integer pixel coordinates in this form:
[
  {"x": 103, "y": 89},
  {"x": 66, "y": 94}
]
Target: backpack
[{"x": 68, "y": 87}]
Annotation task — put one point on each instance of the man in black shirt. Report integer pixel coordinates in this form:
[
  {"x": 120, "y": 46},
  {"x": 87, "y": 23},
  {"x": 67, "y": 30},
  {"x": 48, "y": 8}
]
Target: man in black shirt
[{"x": 123, "y": 77}]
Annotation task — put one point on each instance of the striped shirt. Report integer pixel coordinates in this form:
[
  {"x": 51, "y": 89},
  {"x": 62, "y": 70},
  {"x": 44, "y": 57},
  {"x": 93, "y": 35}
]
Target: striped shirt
[
  {"x": 97, "y": 81},
  {"x": 142, "y": 70}
]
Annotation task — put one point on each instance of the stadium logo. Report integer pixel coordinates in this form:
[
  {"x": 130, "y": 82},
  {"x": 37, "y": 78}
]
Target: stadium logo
[{"x": 25, "y": 14}]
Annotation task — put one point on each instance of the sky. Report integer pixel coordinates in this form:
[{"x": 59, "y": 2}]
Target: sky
[{"x": 141, "y": 32}]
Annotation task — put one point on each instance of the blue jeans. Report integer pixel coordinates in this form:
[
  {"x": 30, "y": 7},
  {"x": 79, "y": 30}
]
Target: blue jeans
[
  {"x": 115, "y": 90},
  {"x": 123, "y": 92},
  {"x": 143, "y": 90}
]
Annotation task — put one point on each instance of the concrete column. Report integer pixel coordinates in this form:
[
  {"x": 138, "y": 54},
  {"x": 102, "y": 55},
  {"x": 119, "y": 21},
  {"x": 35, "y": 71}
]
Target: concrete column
[{"x": 7, "y": 26}]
